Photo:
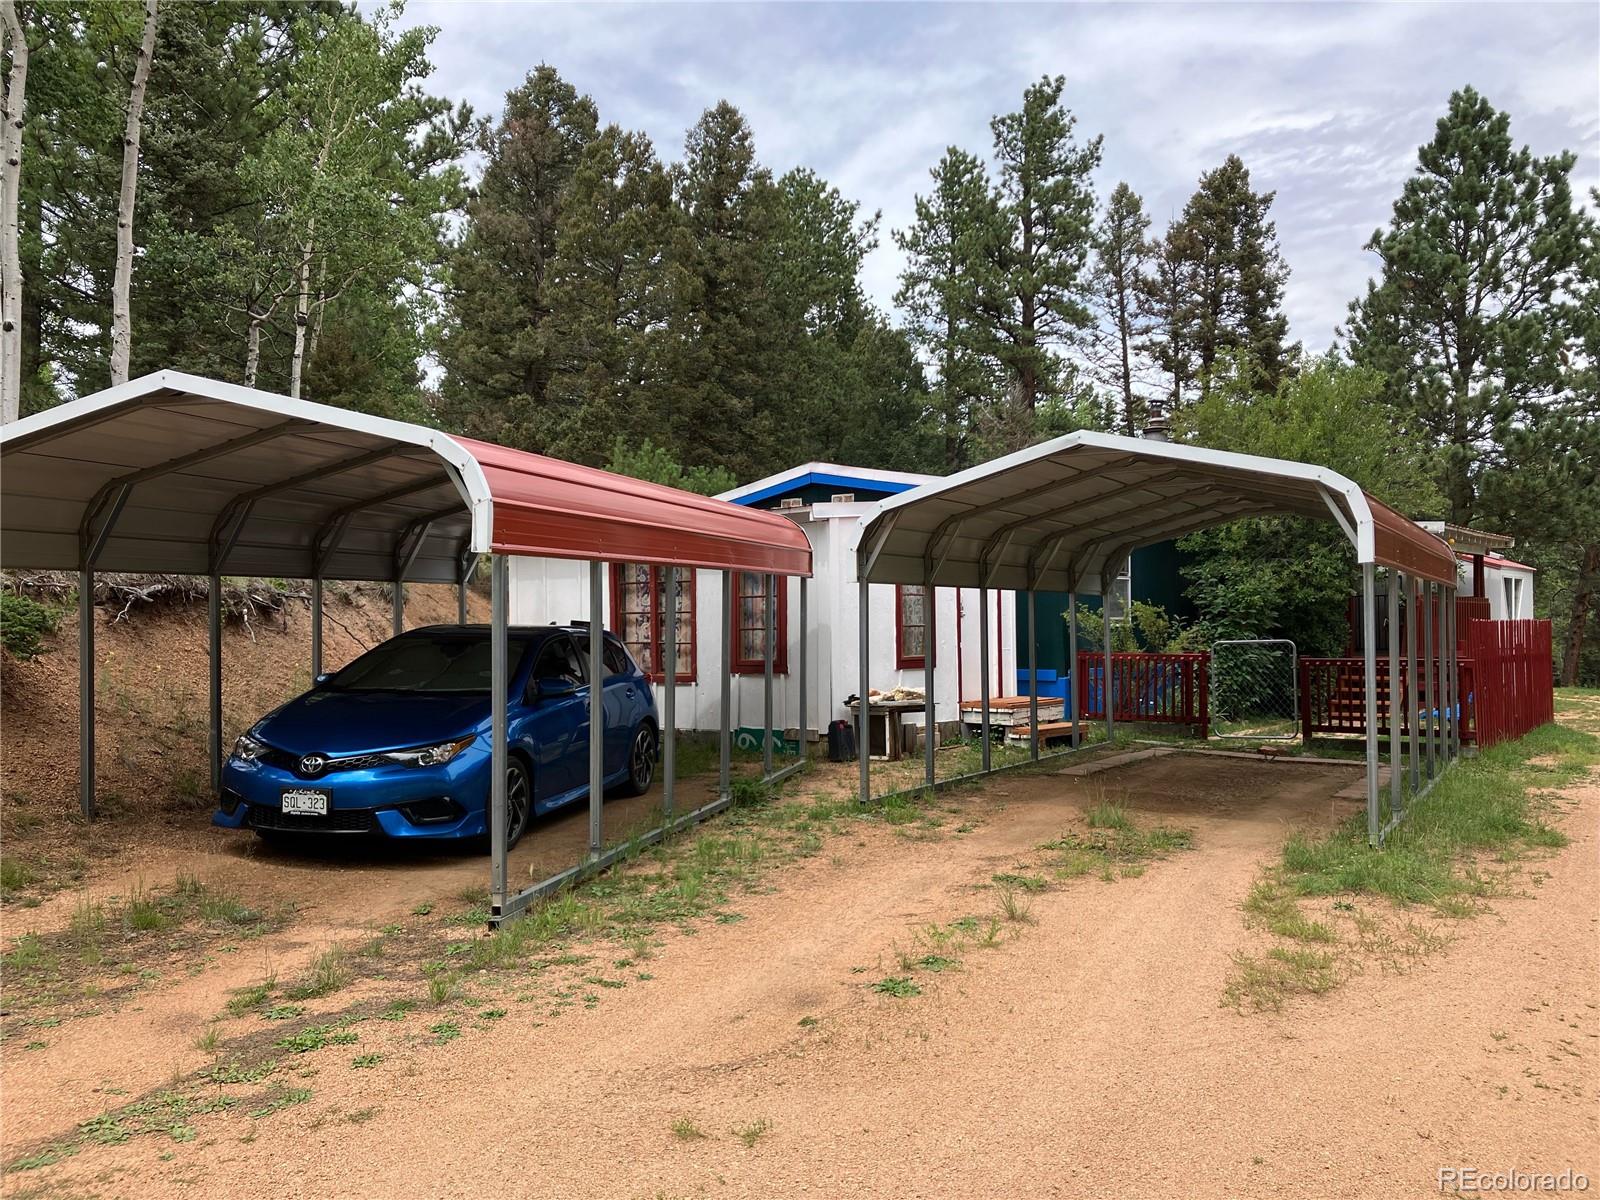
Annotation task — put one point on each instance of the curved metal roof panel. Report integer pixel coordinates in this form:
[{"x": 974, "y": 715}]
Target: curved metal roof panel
[
  {"x": 1053, "y": 517},
  {"x": 557, "y": 509},
  {"x": 181, "y": 474}
]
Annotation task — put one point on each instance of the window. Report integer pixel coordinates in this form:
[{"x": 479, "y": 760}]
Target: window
[
  {"x": 1122, "y": 592},
  {"x": 449, "y": 662},
  {"x": 911, "y": 625},
  {"x": 615, "y": 657},
  {"x": 639, "y": 616},
  {"x": 559, "y": 659},
  {"x": 749, "y": 626}
]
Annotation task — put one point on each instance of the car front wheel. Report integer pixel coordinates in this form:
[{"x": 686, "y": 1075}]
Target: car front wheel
[
  {"x": 641, "y": 762},
  {"x": 519, "y": 802}
]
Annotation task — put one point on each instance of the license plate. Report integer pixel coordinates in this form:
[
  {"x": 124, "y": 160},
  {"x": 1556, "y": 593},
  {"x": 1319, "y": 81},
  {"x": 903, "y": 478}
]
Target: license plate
[{"x": 306, "y": 802}]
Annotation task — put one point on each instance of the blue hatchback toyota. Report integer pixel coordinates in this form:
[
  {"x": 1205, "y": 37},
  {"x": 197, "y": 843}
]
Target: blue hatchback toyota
[{"x": 397, "y": 743}]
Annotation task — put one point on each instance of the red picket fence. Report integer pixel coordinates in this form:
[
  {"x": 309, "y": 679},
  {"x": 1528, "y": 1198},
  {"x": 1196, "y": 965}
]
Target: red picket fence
[
  {"x": 1512, "y": 681},
  {"x": 1507, "y": 686},
  {"x": 1164, "y": 689}
]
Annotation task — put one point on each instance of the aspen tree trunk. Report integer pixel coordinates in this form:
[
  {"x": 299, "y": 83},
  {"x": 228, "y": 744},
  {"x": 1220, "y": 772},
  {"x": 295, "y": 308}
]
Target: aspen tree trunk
[
  {"x": 302, "y": 309},
  {"x": 16, "y": 83},
  {"x": 121, "y": 313},
  {"x": 252, "y": 353}
]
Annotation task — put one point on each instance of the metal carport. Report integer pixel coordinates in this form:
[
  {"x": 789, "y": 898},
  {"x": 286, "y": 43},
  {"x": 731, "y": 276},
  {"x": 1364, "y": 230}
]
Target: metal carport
[
  {"x": 1062, "y": 516},
  {"x": 178, "y": 474}
]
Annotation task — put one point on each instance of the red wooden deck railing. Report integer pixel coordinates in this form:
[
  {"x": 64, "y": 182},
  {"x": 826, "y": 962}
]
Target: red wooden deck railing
[
  {"x": 1507, "y": 686},
  {"x": 1165, "y": 689},
  {"x": 1333, "y": 697}
]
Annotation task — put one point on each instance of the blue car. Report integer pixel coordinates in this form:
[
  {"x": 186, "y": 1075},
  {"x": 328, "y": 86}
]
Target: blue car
[{"x": 397, "y": 743}]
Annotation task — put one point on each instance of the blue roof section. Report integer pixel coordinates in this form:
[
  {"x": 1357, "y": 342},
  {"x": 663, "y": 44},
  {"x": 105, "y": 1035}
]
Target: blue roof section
[{"x": 876, "y": 485}]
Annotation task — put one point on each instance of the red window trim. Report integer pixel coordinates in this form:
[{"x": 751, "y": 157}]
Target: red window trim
[
  {"x": 780, "y": 632},
  {"x": 904, "y": 661},
  {"x": 658, "y": 580}
]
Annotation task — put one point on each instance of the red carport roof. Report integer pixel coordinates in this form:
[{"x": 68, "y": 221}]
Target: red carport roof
[
  {"x": 557, "y": 509},
  {"x": 186, "y": 475}
]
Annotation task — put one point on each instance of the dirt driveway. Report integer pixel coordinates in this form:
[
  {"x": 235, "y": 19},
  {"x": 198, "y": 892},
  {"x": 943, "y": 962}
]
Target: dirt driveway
[{"x": 1085, "y": 1052}]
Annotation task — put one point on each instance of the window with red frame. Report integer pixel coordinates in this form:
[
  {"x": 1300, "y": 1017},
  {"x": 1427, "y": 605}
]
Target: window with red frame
[
  {"x": 750, "y": 626},
  {"x": 639, "y": 617},
  {"x": 911, "y": 625}
]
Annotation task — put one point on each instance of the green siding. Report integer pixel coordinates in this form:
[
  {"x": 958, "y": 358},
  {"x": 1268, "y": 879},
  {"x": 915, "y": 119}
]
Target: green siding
[{"x": 1157, "y": 579}]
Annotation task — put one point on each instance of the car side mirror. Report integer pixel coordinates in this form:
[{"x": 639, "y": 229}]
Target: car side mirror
[{"x": 553, "y": 689}]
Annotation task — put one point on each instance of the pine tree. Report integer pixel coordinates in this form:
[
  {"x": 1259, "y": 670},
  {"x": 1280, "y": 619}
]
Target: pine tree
[
  {"x": 1465, "y": 320},
  {"x": 1166, "y": 302},
  {"x": 1218, "y": 287},
  {"x": 494, "y": 354},
  {"x": 204, "y": 117},
  {"x": 1121, "y": 250},
  {"x": 938, "y": 292},
  {"x": 722, "y": 328},
  {"x": 610, "y": 297},
  {"x": 1032, "y": 290}
]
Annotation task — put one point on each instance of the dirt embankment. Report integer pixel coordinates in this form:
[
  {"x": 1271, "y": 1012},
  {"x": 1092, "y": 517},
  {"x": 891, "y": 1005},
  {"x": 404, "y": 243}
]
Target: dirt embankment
[{"x": 151, "y": 712}]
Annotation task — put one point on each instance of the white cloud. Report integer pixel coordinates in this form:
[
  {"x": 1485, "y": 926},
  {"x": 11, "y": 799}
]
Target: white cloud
[{"x": 1326, "y": 103}]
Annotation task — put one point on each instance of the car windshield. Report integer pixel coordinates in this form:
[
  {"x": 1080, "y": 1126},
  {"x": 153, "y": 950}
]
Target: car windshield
[{"x": 451, "y": 663}]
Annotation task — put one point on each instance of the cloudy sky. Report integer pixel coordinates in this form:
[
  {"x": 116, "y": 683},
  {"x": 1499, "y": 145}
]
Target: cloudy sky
[{"x": 1326, "y": 103}]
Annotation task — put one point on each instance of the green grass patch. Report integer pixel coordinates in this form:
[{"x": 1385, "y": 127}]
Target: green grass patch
[
  {"x": 315, "y": 1037},
  {"x": 685, "y": 1130},
  {"x": 328, "y": 972},
  {"x": 897, "y": 985},
  {"x": 1481, "y": 806},
  {"x": 1264, "y": 983},
  {"x": 1272, "y": 907}
]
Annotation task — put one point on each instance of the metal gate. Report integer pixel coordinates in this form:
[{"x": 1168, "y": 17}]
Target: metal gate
[{"x": 1255, "y": 690}]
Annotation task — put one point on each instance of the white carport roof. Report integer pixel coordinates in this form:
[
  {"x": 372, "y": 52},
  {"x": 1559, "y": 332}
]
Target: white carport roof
[
  {"x": 1053, "y": 516},
  {"x": 178, "y": 474}
]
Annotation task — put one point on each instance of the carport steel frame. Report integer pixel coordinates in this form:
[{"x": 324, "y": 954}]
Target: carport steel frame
[
  {"x": 75, "y": 470},
  {"x": 1054, "y": 515}
]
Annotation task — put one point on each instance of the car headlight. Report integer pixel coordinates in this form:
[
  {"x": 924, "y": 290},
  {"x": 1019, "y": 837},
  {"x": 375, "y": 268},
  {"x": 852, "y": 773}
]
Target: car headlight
[
  {"x": 432, "y": 756},
  {"x": 247, "y": 749}
]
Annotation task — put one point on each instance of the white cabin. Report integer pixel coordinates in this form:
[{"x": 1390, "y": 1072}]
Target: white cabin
[
  {"x": 827, "y": 501},
  {"x": 1508, "y": 586}
]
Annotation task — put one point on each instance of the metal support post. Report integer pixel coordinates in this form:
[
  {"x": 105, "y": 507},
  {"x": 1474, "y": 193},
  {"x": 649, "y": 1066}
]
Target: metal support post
[
  {"x": 983, "y": 670},
  {"x": 1396, "y": 753},
  {"x": 1413, "y": 687},
  {"x": 499, "y": 757},
  {"x": 597, "y": 707},
  {"x": 1105, "y": 684},
  {"x": 669, "y": 695},
  {"x": 805, "y": 649},
  {"x": 1072, "y": 668},
  {"x": 1369, "y": 653},
  {"x": 316, "y": 628},
  {"x": 725, "y": 739},
  {"x": 86, "y": 691},
  {"x": 863, "y": 709},
  {"x": 769, "y": 635},
  {"x": 214, "y": 665},
  {"x": 1430, "y": 651},
  {"x": 1033, "y": 681},
  {"x": 1452, "y": 676},
  {"x": 930, "y": 670}
]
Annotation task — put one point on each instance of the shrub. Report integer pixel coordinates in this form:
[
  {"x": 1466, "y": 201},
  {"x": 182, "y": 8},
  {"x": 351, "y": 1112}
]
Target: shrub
[{"x": 24, "y": 623}]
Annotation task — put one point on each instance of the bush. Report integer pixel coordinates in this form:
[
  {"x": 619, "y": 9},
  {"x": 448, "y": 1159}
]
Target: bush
[{"x": 24, "y": 623}]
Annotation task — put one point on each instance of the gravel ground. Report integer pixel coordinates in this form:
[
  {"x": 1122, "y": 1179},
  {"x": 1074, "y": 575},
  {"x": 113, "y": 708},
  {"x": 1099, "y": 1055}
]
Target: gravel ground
[{"x": 1088, "y": 1054}]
